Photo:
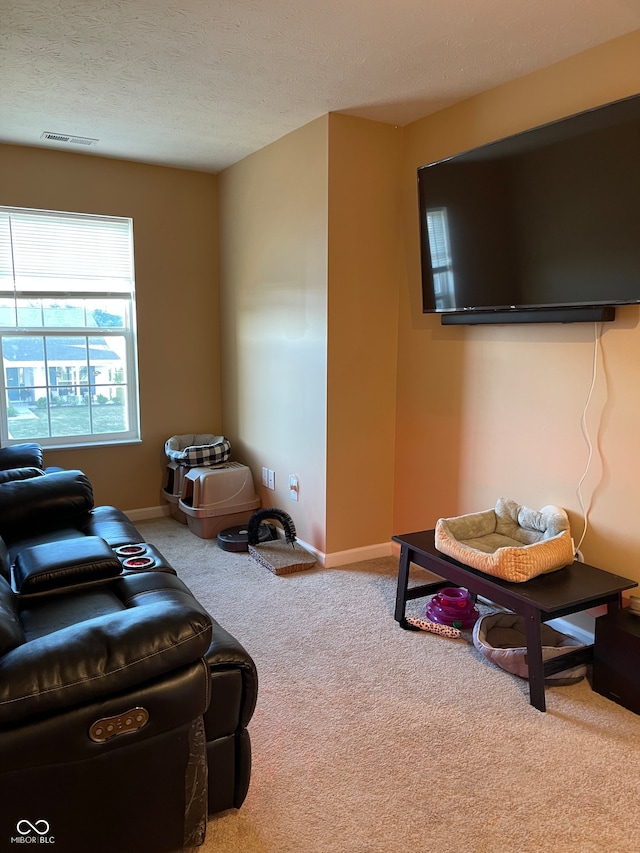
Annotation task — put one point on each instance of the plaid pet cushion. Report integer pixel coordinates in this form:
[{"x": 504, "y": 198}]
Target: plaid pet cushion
[
  {"x": 207, "y": 454},
  {"x": 192, "y": 450}
]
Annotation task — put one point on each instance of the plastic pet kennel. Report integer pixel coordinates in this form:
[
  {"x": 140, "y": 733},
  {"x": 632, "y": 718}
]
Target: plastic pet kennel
[
  {"x": 188, "y": 451},
  {"x": 216, "y": 498}
]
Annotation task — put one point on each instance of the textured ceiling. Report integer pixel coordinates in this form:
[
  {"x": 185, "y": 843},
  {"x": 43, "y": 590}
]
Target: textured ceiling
[{"x": 202, "y": 83}]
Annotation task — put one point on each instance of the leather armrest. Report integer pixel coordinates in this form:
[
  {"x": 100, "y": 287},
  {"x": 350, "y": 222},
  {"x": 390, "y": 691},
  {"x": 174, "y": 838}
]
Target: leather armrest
[
  {"x": 55, "y": 565},
  {"x": 226, "y": 653}
]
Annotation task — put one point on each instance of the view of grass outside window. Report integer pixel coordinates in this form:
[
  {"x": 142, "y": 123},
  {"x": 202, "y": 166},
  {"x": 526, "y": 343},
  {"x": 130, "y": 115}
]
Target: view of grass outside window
[{"x": 67, "y": 329}]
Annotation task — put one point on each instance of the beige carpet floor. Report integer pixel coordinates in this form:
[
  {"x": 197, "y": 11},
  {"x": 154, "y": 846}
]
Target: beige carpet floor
[{"x": 371, "y": 739}]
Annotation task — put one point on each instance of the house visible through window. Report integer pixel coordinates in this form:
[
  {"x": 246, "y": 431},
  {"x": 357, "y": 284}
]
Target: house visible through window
[{"x": 67, "y": 329}]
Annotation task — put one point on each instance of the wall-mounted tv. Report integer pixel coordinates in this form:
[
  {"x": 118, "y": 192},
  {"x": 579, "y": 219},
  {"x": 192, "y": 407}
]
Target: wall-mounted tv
[{"x": 543, "y": 226}]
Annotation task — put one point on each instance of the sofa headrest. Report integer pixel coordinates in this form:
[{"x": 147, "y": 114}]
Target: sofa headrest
[
  {"x": 43, "y": 502},
  {"x": 21, "y": 456}
]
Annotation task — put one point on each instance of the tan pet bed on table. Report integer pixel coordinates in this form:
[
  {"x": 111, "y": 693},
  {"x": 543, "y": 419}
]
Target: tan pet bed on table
[{"x": 510, "y": 542}]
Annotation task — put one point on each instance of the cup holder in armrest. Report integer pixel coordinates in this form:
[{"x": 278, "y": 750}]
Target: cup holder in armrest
[{"x": 142, "y": 557}]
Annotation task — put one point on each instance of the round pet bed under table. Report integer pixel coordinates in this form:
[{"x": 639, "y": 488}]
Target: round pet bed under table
[{"x": 501, "y": 638}]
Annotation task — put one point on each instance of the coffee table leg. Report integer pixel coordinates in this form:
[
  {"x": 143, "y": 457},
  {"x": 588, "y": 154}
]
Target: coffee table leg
[
  {"x": 535, "y": 662},
  {"x": 403, "y": 584},
  {"x": 613, "y": 603}
]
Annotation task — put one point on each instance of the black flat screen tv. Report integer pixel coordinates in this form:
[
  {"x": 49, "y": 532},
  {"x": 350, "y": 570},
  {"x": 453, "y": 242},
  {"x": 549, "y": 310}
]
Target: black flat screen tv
[{"x": 543, "y": 226}]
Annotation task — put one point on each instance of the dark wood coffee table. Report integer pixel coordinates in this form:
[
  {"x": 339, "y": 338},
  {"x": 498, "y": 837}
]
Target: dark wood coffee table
[{"x": 568, "y": 590}]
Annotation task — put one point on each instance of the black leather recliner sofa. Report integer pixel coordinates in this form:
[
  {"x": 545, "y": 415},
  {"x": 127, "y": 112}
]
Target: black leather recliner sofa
[{"x": 123, "y": 705}]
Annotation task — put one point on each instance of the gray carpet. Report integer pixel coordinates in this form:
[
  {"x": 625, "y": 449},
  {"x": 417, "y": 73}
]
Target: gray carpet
[{"x": 370, "y": 739}]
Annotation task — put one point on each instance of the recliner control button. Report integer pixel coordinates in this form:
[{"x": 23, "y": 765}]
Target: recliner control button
[{"x": 108, "y": 727}]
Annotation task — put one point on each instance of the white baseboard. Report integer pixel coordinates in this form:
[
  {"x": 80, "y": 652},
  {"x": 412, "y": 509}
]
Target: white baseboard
[
  {"x": 579, "y": 625},
  {"x": 353, "y": 555},
  {"x": 337, "y": 558},
  {"x": 147, "y": 513}
]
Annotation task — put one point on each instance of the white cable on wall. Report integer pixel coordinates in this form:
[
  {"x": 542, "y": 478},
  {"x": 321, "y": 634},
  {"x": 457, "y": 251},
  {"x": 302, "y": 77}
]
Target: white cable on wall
[{"x": 585, "y": 431}]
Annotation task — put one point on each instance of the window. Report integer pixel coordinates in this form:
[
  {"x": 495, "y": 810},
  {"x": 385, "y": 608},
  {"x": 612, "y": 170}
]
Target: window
[{"x": 67, "y": 329}]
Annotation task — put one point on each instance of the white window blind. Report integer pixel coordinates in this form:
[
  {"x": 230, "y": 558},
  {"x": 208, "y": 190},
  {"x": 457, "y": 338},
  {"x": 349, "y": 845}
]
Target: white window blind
[
  {"x": 67, "y": 328},
  {"x": 64, "y": 252}
]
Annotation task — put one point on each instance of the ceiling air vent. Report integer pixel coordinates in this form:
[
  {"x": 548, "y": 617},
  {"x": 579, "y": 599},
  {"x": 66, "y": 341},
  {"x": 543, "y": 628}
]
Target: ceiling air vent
[{"x": 65, "y": 137}]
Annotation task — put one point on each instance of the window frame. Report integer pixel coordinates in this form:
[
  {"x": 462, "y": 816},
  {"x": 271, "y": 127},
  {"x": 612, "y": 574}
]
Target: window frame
[{"x": 107, "y": 290}]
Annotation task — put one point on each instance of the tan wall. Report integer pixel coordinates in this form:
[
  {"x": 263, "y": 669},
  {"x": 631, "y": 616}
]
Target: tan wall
[
  {"x": 312, "y": 278},
  {"x": 174, "y": 221},
  {"x": 273, "y": 251},
  {"x": 364, "y": 264},
  {"x": 490, "y": 411},
  {"x": 306, "y": 391}
]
